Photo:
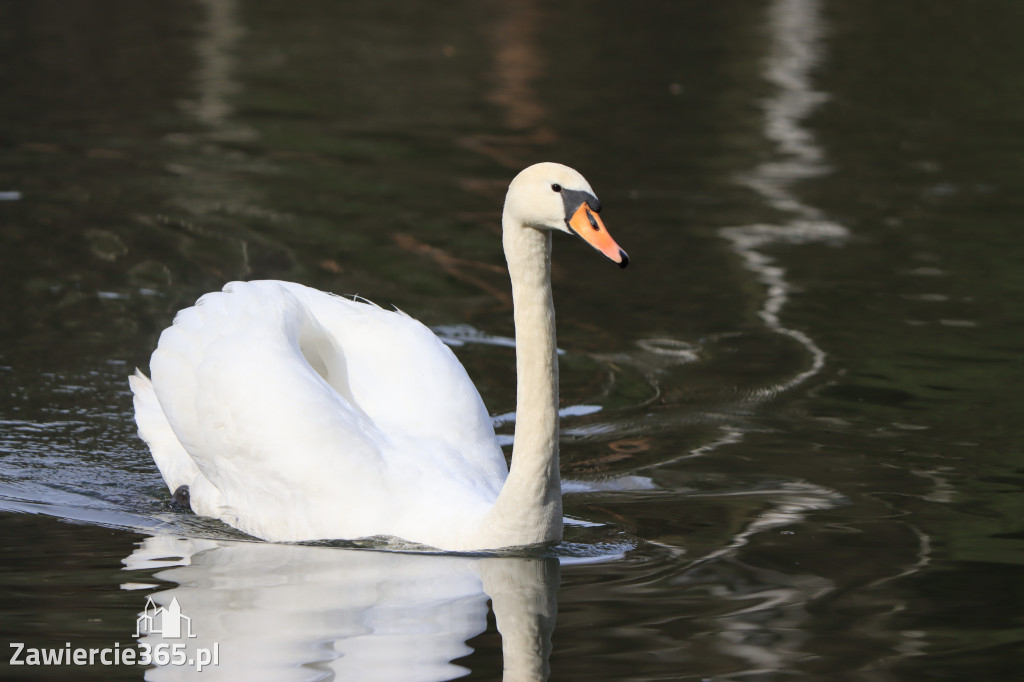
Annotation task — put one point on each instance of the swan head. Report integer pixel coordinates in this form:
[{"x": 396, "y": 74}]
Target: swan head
[{"x": 550, "y": 196}]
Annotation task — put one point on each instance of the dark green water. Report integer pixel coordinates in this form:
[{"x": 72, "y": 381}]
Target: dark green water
[{"x": 795, "y": 448}]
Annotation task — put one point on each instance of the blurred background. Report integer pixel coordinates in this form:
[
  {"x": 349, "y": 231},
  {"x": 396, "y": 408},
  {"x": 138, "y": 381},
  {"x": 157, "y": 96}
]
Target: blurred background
[{"x": 791, "y": 440}]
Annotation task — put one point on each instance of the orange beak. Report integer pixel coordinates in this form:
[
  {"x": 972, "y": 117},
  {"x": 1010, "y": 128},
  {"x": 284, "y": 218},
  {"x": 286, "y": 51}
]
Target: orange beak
[{"x": 588, "y": 225}]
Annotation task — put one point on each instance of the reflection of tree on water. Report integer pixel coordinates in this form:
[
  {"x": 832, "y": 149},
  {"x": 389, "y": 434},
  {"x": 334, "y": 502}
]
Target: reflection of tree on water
[
  {"x": 795, "y": 30},
  {"x": 303, "y": 612},
  {"x": 519, "y": 62},
  {"x": 208, "y": 200}
]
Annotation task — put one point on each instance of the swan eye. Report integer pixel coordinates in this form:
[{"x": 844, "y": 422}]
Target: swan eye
[{"x": 556, "y": 187}]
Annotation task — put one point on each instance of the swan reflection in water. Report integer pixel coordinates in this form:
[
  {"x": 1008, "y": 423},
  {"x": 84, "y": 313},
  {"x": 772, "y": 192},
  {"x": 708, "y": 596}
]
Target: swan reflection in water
[{"x": 300, "y": 612}]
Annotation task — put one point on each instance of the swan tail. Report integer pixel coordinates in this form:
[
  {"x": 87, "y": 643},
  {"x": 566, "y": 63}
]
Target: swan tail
[{"x": 175, "y": 465}]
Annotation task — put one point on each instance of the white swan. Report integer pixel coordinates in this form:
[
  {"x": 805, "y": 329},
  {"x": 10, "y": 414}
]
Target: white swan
[{"x": 293, "y": 414}]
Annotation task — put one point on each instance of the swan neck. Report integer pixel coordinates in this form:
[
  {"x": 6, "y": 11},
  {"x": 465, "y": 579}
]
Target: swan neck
[{"x": 530, "y": 504}]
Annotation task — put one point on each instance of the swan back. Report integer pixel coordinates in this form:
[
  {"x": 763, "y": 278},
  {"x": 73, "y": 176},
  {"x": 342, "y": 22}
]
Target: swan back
[{"x": 283, "y": 397}]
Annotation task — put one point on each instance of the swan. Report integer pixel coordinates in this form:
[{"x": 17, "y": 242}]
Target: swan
[{"x": 293, "y": 414}]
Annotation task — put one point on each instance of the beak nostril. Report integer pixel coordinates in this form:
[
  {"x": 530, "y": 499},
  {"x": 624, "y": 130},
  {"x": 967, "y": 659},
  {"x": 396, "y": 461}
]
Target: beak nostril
[{"x": 597, "y": 236}]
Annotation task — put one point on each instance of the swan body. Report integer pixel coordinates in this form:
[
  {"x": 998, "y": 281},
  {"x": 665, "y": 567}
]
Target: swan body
[{"x": 294, "y": 414}]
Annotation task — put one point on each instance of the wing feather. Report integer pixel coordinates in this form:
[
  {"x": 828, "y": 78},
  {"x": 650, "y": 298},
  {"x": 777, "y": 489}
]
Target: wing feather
[{"x": 306, "y": 412}]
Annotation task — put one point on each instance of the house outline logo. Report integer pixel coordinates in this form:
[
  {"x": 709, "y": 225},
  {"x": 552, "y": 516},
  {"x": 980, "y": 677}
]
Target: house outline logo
[{"x": 172, "y": 623}]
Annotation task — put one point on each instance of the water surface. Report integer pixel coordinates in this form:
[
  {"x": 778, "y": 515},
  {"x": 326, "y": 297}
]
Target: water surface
[{"x": 791, "y": 443}]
